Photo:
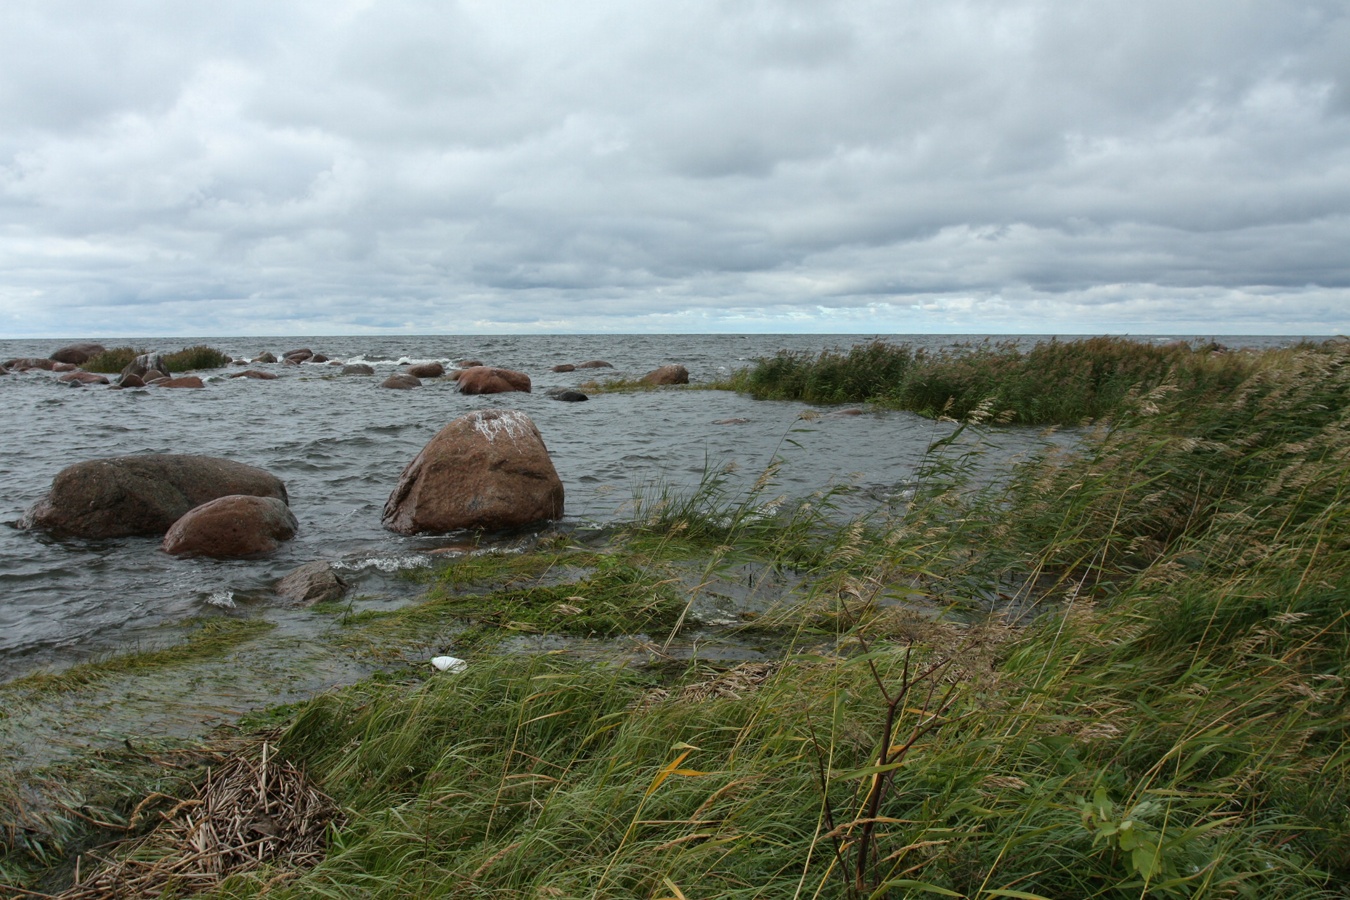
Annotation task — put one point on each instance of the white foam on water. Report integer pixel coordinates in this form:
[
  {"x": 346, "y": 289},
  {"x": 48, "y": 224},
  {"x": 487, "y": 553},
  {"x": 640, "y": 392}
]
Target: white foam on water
[
  {"x": 222, "y": 599},
  {"x": 383, "y": 563}
]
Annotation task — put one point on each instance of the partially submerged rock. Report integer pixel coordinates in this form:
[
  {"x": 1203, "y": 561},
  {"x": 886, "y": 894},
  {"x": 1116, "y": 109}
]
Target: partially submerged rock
[
  {"x": 24, "y": 363},
  {"x": 237, "y": 526},
  {"x": 488, "y": 469},
  {"x": 182, "y": 381},
  {"x": 672, "y": 374},
  {"x": 595, "y": 364},
  {"x": 145, "y": 364},
  {"x": 312, "y": 583},
  {"x": 401, "y": 381},
  {"x": 491, "y": 380},
  {"x": 83, "y": 378},
  {"x": 78, "y": 354},
  {"x": 568, "y": 396},
  {"x": 426, "y": 370},
  {"x": 357, "y": 369},
  {"x": 256, "y": 374},
  {"x": 130, "y": 495}
]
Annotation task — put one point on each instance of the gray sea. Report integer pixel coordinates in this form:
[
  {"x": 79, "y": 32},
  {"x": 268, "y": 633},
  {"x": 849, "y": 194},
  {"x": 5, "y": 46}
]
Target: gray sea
[{"x": 340, "y": 442}]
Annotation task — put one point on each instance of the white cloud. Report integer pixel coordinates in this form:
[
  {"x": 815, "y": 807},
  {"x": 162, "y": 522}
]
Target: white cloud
[{"x": 720, "y": 165}]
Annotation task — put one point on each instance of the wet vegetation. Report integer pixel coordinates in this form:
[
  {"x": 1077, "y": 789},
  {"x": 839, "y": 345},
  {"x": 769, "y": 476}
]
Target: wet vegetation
[
  {"x": 187, "y": 359},
  {"x": 1053, "y": 383},
  {"x": 1119, "y": 672},
  {"x": 198, "y": 356}
]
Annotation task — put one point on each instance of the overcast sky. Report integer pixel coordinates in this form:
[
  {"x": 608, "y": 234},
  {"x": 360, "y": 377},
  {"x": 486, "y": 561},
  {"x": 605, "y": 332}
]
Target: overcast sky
[{"x": 516, "y": 166}]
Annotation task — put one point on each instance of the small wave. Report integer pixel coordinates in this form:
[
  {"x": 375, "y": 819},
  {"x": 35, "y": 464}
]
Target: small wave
[
  {"x": 222, "y": 599},
  {"x": 387, "y": 564}
]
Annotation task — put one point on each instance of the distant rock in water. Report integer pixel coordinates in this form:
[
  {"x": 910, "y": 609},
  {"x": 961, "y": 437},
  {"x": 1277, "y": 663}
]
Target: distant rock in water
[
  {"x": 267, "y": 357},
  {"x": 426, "y": 370},
  {"x": 255, "y": 373},
  {"x": 488, "y": 469},
  {"x": 128, "y": 495},
  {"x": 129, "y": 381},
  {"x": 312, "y": 583},
  {"x": 567, "y": 396},
  {"x": 565, "y": 367},
  {"x": 468, "y": 363},
  {"x": 401, "y": 381},
  {"x": 78, "y": 354},
  {"x": 182, "y": 381},
  {"x": 145, "y": 364},
  {"x": 83, "y": 378},
  {"x": 24, "y": 363},
  {"x": 489, "y": 380},
  {"x": 595, "y": 364},
  {"x": 672, "y": 374},
  {"x": 297, "y": 356},
  {"x": 357, "y": 369},
  {"x": 237, "y": 526}
]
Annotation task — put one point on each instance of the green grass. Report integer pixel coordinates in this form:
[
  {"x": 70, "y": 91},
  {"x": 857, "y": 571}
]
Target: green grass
[
  {"x": 196, "y": 357},
  {"x": 112, "y": 361},
  {"x": 1166, "y": 715},
  {"x": 1054, "y": 382}
]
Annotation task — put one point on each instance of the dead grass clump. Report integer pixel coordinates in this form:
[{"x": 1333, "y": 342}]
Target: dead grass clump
[
  {"x": 733, "y": 684},
  {"x": 253, "y": 810}
]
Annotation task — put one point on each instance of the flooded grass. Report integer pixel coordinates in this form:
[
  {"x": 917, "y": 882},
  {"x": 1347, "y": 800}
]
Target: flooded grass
[{"x": 1119, "y": 672}]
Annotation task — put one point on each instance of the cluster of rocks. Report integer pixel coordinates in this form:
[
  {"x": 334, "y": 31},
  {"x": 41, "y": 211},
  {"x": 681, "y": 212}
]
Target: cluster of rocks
[
  {"x": 488, "y": 470},
  {"x": 471, "y": 377}
]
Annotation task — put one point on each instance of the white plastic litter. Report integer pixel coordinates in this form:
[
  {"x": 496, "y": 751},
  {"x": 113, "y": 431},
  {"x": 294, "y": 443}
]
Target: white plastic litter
[{"x": 449, "y": 663}]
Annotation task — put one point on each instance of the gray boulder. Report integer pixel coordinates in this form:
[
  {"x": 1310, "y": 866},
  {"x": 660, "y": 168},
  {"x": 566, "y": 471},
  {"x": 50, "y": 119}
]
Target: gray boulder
[
  {"x": 141, "y": 495},
  {"x": 312, "y": 583}
]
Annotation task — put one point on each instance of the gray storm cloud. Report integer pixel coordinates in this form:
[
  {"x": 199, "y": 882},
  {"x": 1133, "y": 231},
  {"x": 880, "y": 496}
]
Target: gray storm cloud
[{"x": 328, "y": 167}]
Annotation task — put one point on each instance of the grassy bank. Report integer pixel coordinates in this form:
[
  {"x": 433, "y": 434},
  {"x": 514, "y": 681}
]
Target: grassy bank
[
  {"x": 1055, "y": 382},
  {"x": 1170, "y": 720}
]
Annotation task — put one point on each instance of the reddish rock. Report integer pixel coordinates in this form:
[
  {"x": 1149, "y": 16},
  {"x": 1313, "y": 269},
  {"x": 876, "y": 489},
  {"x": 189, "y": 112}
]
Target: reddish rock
[
  {"x": 103, "y": 498},
  {"x": 83, "y": 378},
  {"x": 268, "y": 357},
  {"x": 131, "y": 381},
  {"x": 237, "y": 526},
  {"x": 298, "y": 355},
  {"x": 182, "y": 381},
  {"x": 488, "y": 469},
  {"x": 64, "y": 367},
  {"x": 317, "y": 358},
  {"x": 255, "y": 373},
  {"x": 595, "y": 364},
  {"x": 77, "y": 354},
  {"x": 565, "y": 367},
  {"x": 24, "y": 363},
  {"x": 312, "y": 583},
  {"x": 357, "y": 369},
  {"x": 673, "y": 374},
  {"x": 489, "y": 380},
  {"x": 146, "y": 364},
  {"x": 153, "y": 376},
  {"x": 426, "y": 370},
  {"x": 401, "y": 381}
]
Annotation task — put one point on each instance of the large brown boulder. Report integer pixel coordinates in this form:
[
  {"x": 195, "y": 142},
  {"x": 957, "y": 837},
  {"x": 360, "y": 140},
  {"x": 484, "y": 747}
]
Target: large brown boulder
[
  {"x": 401, "y": 381},
  {"x": 488, "y": 469},
  {"x": 182, "y": 381},
  {"x": 490, "y": 380},
  {"x": 78, "y": 354},
  {"x": 672, "y": 374},
  {"x": 237, "y": 526},
  {"x": 126, "y": 495}
]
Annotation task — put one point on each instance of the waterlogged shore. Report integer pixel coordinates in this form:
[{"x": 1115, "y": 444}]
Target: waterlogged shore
[{"x": 708, "y": 701}]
